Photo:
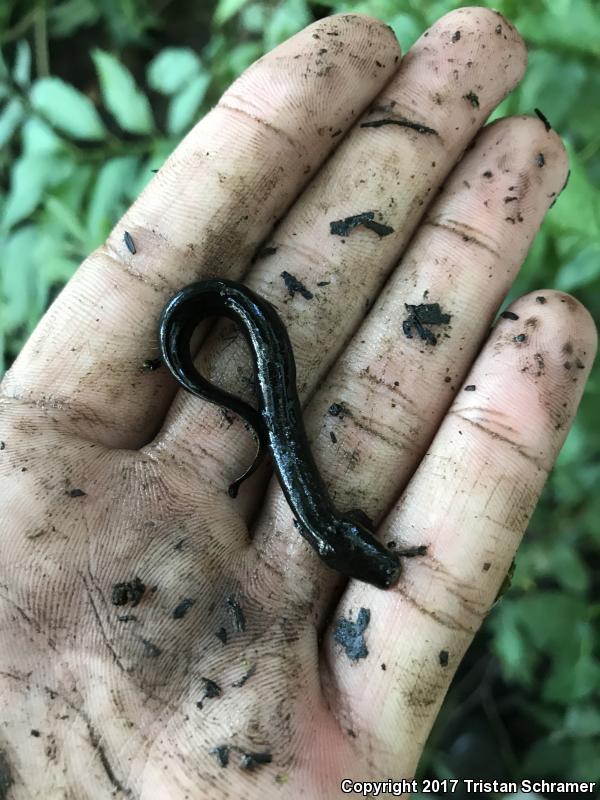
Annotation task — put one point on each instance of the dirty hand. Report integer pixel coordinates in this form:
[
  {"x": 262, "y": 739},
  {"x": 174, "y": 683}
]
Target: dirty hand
[{"x": 159, "y": 639}]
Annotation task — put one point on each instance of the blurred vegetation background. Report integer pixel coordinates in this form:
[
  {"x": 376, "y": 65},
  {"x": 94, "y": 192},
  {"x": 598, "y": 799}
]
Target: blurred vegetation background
[{"x": 94, "y": 94}]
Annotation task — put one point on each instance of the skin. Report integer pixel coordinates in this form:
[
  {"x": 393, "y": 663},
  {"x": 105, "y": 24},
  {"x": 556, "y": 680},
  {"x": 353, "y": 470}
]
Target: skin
[
  {"x": 341, "y": 542},
  {"x": 109, "y": 472}
]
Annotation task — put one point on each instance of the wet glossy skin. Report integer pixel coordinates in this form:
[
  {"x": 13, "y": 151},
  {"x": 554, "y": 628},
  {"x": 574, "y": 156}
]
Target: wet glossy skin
[{"x": 342, "y": 541}]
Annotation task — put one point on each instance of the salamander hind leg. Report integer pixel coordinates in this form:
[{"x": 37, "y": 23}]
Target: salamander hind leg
[{"x": 361, "y": 517}]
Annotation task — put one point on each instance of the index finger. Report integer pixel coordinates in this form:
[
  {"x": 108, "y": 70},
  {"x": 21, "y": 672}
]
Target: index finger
[{"x": 203, "y": 215}]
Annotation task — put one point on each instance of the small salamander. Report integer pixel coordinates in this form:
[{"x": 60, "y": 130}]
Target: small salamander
[{"x": 342, "y": 540}]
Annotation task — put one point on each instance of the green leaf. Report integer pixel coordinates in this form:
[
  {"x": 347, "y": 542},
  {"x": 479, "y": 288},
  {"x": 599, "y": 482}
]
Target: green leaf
[
  {"x": 253, "y": 18},
  {"x": 30, "y": 176},
  {"x": 65, "y": 18},
  {"x": 172, "y": 69},
  {"x": 184, "y": 107},
  {"x": 39, "y": 138},
  {"x": 10, "y": 117},
  {"x": 18, "y": 283},
  {"x": 67, "y": 109},
  {"x": 581, "y": 270},
  {"x": 226, "y": 9},
  {"x": 288, "y": 18},
  {"x": 107, "y": 202},
  {"x": 66, "y": 218},
  {"x": 126, "y": 102},
  {"x": 22, "y": 67}
]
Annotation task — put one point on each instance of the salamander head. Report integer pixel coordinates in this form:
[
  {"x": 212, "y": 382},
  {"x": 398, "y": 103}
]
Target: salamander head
[{"x": 358, "y": 554}]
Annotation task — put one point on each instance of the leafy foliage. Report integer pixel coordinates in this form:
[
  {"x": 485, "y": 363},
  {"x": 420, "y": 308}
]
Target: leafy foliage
[{"x": 74, "y": 153}]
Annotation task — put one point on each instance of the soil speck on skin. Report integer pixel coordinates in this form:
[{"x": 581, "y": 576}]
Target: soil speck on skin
[
  {"x": 486, "y": 566},
  {"x": 351, "y": 634},
  {"x": 342, "y": 227},
  {"x": 35, "y": 733},
  {"x": 127, "y": 618},
  {"x": 150, "y": 649},
  {"x": 473, "y": 99},
  {"x": 323, "y": 283},
  {"x": 509, "y": 315},
  {"x": 245, "y": 677},
  {"x": 337, "y": 410},
  {"x": 383, "y": 667},
  {"x": 520, "y": 338},
  {"x": 488, "y": 174},
  {"x": 151, "y": 364},
  {"x": 237, "y": 615},
  {"x": 128, "y": 592},
  {"x": 540, "y": 160},
  {"x": 333, "y": 437},
  {"x": 179, "y": 545},
  {"x": 403, "y": 122},
  {"x": 211, "y": 689},
  {"x": 541, "y": 300},
  {"x": 221, "y": 635},
  {"x": 251, "y": 760},
  {"x": 470, "y": 388},
  {"x": 421, "y": 315},
  {"x": 2, "y": 445},
  {"x": 129, "y": 243},
  {"x": 293, "y": 285},
  {"x": 76, "y": 493},
  {"x": 456, "y": 36},
  {"x": 443, "y": 657},
  {"x": 181, "y": 610},
  {"x": 221, "y": 753}
]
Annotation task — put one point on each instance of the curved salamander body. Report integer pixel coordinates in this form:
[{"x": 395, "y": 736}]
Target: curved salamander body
[{"x": 342, "y": 541}]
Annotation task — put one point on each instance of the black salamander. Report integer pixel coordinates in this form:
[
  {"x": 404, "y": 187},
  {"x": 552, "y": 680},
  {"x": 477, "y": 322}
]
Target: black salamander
[{"x": 342, "y": 540}]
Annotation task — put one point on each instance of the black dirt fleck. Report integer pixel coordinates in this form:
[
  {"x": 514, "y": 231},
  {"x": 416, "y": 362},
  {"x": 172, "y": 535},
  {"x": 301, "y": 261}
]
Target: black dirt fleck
[
  {"x": 488, "y": 174},
  {"x": 342, "y": 227},
  {"x": 211, "y": 689},
  {"x": 456, "y": 36},
  {"x": 251, "y": 760},
  {"x": 383, "y": 667},
  {"x": 421, "y": 315},
  {"x": 179, "y": 545},
  {"x": 294, "y": 285},
  {"x": 470, "y": 388},
  {"x": 509, "y": 315},
  {"x": 412, "y": 552},
  {"x": 129, "y": 242},
  {"x": 237, "y": 615},
  {"x": 221, "y": 635},
  {"x": 323, "y": 283},
  {"x": 486, "y": 566},
  {"x": 150, "y": 649},
  {"x": 520, "y": 338},
  {"x": 337, "y": 410},
  {"x": 221, "y": 753},
  {"x": 129, "y": 592},
  {"x": 76, "y": 493},
  {"x": 350, "y": 634},
  {"x": 473, "y": 99},
  {"x": 541, "y": 300},
  {"x": 333, "y": 437},
  {"x": 35, "y": 733},
  {"x": 2, "y": 445},
  {"x": 405, "y": 123},
  {"x": 544, "y": 119},
  {"x": 540, "y": 160},
  {"x": 443, "y": 656},
  {"x": 151, "y": 364},
  {"x": 181, "y": 610},
  {"x": 127, "y": 618},
  {"x": 245, "y": 677}
]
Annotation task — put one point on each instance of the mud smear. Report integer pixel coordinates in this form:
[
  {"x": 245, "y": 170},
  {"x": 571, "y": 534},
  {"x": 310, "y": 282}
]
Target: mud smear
[
  {"x": 181, "y": 610},
  {"x": 293, "y": 285},
  {"x": 421, "y": 315},
  {"x": 351, "y": 634},
  {"x": 129, "y": 592},
  {"x": 237, "y": 615},
  {"x": 342, "y": 227}
]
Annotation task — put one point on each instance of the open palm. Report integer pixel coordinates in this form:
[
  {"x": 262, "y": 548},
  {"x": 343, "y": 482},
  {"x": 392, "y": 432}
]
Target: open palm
[{"x": 160, "y": 639}]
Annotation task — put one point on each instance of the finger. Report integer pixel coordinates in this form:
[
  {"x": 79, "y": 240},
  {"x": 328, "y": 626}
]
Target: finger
[
  {"x": 394, "y": 387},
  {"x": 469, "y": 502},
  {"x": 203, "y": 215},
  {"x": 393, "y": 168}
]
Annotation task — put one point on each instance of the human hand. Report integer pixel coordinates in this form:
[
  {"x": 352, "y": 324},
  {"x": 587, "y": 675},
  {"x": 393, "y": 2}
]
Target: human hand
[{"x": 226, "y": 647}]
